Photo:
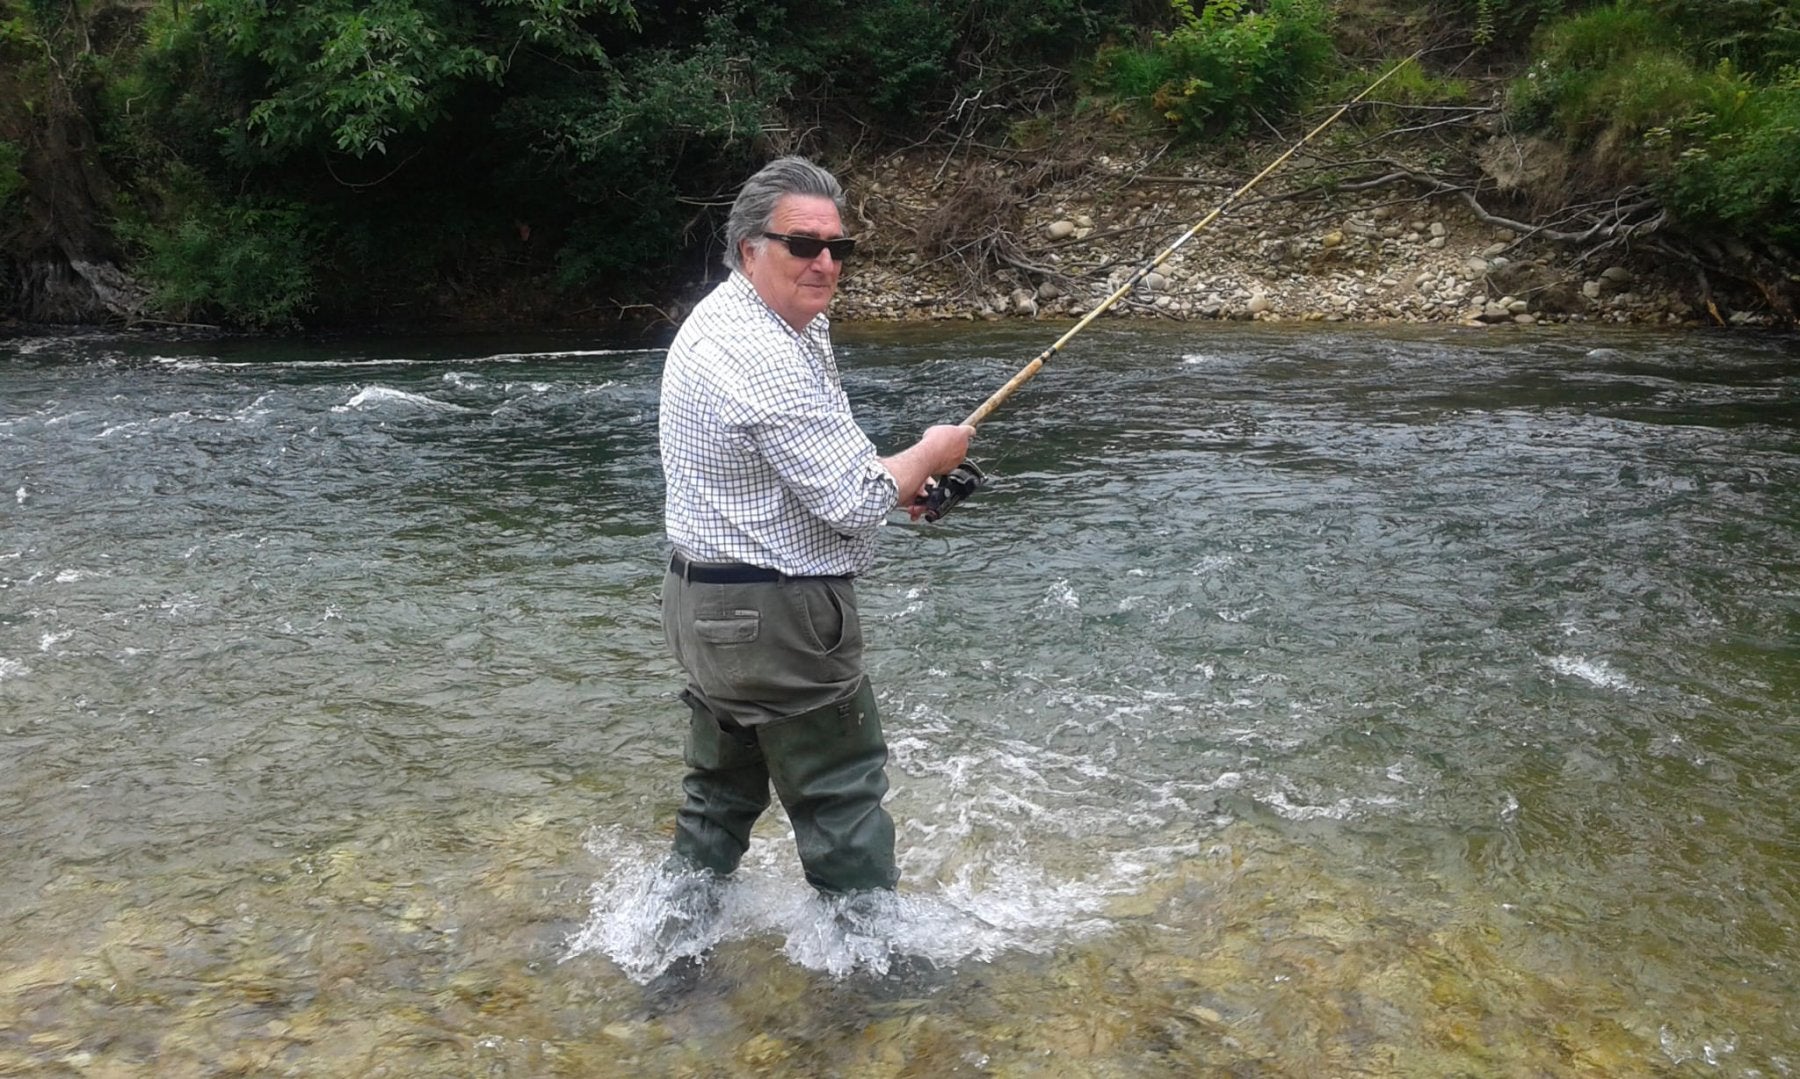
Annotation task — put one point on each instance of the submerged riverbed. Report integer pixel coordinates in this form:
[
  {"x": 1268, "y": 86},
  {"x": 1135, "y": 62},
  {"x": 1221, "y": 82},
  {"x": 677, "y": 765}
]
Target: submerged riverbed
[{"x": 1293, "y": 703}]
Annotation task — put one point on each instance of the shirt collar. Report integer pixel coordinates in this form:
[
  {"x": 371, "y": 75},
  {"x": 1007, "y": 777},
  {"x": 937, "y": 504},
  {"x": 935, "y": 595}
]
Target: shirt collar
[{"x": 745, "y": 290}]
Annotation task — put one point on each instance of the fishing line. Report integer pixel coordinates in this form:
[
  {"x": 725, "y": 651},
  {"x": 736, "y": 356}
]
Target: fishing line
[{"x": 962, "y": 481}]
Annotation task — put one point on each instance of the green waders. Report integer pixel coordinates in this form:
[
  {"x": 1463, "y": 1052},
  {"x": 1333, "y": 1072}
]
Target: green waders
[
  {"x": 828, "y": 767},
  {"x": 727, "y": 787}
]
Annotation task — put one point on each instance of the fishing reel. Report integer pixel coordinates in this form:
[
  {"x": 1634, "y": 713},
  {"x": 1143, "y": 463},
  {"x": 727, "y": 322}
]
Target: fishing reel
[{"x": 944, "y": 492}]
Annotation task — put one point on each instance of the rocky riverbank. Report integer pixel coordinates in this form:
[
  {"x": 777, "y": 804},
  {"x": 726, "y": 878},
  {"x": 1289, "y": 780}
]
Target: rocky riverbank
[{"x": 1382, "y": 256}]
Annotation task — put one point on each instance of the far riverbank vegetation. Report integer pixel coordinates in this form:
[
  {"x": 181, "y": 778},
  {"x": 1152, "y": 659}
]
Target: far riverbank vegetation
[{"x": 276, "y": 166}]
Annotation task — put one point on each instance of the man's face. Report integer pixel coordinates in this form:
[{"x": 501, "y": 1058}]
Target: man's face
[{"x": 797, "y": 289}]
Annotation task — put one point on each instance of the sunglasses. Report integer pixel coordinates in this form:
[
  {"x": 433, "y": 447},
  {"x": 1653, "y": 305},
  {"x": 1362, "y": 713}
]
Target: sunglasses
[{"x": 808, "y": 247}]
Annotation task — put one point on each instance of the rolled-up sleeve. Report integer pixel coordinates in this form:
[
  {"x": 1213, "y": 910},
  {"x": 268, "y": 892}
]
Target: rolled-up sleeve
[{"x": 830, "y": 466}]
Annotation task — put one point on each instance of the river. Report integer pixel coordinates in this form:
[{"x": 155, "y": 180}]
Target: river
[{"x": 1295, "y": 701}]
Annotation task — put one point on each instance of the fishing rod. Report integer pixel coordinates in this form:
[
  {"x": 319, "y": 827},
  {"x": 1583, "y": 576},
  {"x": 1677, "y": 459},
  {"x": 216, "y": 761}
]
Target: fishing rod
[{"x": 963, "y": 480}]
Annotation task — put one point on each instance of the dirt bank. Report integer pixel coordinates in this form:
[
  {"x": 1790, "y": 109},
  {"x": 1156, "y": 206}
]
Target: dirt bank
[{"x": 1006, "y": 237}]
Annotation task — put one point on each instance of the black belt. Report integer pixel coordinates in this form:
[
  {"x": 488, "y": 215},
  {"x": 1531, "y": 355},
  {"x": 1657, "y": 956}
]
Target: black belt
[{"x": 731, "y": 572}]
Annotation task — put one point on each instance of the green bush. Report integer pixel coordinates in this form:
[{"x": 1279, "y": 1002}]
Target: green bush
[
  {"x": 1133, "y": 74},
  {"x": 889, "y": 62},
  {"x": 1496, "y": 22},
  {"x": 1656, "y": 85},
  {"x": 1410, "y": 84},
  {"x": 1737, "y": 170},
  {"x": 1759, "y": 37},
  {"x": 900, "y": 65},
  {"x": 246, "y": 264},
  {"x": 619, "y": 147},
  {"x": 1641, "y": 91},
  {"x": 1575, "y": 57},
  {"x": 1218, "y": 65}
]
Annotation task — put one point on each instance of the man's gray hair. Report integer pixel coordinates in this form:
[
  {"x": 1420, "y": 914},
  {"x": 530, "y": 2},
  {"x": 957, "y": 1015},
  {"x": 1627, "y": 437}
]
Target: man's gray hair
[{"x": 755, "y": 205}]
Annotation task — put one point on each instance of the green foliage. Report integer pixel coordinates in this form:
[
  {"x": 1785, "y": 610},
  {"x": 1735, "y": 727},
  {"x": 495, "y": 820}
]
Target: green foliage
[
  {"x": 1496, "y": 22},
  {"x": 1737, "y": 171},
  {"x": 1012, "y": 34},
  {"x": 1660, "y": 84},
  {"x": 886, "y": 60},
  {"x": 356, "y": 74},
  {"x": 1219, "y": 64},
  {"x": 1410, "y": 84},
  {"x": 1644, "y": 89},
  {"x": 1760, "y": 37},
  {"x": 332, "y": 153},
  {"x": 353, "y": 73},
  {"x": 1582, "y": 65},
  {"x": 901, "y": 65},
  {"x": 617, "y": 148},
  {"x": 247, "y": 264},
  {"x": 282, "y": 156}
]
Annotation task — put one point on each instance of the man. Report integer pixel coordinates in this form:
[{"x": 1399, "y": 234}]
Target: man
[{"x": 774, "y": 497}]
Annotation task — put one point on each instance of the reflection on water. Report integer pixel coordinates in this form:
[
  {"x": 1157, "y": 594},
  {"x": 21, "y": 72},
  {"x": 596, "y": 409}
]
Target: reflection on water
[{"x": 1292, "y": 703}]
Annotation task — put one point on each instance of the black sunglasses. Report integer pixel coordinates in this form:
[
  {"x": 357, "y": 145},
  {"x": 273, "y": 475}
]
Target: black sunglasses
[{"x": 808, "y": 247}]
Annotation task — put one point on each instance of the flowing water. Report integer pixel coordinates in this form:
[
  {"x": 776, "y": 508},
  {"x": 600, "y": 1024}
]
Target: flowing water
[{"x": 1293, "y": 703}]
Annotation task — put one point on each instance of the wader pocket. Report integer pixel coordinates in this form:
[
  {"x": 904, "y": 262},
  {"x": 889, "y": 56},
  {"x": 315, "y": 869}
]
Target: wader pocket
[
  {"x": 829, "y": 620},
  {"x": 728, "y": 627}
]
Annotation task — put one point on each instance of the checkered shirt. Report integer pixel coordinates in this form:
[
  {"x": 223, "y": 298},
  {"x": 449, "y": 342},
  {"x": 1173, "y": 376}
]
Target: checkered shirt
[{"x": 762, "y": 459}]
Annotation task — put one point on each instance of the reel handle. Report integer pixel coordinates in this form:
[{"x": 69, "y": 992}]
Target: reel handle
[{"x": 949, "y": 489}]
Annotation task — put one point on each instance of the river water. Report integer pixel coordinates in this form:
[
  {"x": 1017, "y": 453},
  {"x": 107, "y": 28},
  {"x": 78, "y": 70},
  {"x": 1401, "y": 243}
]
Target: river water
[{"x": 1294, "y": 702}]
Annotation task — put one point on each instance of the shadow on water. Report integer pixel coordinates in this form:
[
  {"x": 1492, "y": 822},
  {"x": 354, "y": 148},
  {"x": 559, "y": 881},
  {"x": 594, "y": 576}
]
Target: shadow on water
[{"x": 1294, "y": 702}]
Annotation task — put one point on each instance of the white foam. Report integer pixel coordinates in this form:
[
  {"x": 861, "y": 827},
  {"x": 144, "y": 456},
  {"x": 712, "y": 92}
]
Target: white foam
[
  {"x": 12, "y": 668},
  {"x": 635, "y": 904},
  {"x": 1594, "y": 671},
  {"x": 49, "y": 639},
  {"x": 189, "y": 363},
  {"x": 1213, "y": 563},
  {"x": 382, "y": 396},
  {"x": 1342, "y": 809},
  {"x": 563, "y": 354},
  {"x": 1006, "y": 845}
]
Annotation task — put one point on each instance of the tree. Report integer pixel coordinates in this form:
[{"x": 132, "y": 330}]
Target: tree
[{"x": 58, "y": 258}]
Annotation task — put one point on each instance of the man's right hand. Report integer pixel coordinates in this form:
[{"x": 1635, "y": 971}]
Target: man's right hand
[
  {"x": 950, "y": 441},
  {"x": 940, "y": 449}
]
